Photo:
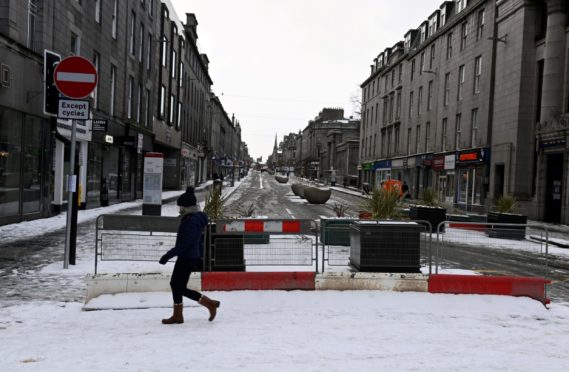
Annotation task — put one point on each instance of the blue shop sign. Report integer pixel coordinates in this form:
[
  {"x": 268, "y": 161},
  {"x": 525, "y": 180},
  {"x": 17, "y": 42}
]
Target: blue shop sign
[{"x": 383, "y": 164}]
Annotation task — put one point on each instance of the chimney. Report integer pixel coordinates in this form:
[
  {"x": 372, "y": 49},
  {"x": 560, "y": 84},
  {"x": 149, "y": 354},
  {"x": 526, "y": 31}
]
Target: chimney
[{"x": 191, "y": 26}]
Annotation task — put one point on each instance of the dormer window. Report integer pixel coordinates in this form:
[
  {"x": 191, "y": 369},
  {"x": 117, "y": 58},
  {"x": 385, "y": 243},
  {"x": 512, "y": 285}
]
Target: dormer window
[
  {"x": 460, "y": 5},
  {"x": 443, "y": 15},
  {"x": 423, "y": 34}
]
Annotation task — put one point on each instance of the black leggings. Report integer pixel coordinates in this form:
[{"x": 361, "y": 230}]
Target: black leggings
[{"x": 179, "y": 280}]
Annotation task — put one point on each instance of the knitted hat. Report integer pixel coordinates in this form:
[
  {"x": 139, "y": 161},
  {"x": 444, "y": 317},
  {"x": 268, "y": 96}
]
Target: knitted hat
[{"x": 188, "y": 198}]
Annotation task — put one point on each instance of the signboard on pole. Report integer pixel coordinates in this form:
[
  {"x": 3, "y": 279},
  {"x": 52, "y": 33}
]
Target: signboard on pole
[
  {"x": 99, "y": 125},
  {"x": 152, "y": 186},
  {"x": 72, "y": 109},
  {"x": 50, "y": 92},
  {"x": 75, "y": 77}
]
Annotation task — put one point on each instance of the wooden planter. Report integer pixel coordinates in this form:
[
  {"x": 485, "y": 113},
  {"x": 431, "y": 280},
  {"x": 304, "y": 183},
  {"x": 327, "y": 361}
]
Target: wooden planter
[
  {"x": 379, "y": 246},
  {"x": 434, "y": 215},
  {"x": 315, "y": 195},
  {"x": 507, "y": 232}
]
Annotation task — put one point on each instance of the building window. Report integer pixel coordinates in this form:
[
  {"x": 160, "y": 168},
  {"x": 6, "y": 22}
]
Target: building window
[
  {"x": 420, "y": 101},
  {"x": 417, "y": 132},
  {"x": 172, "y": 109},
  {"x": 409, "y": 133},
  {"x": 75, "y": 44},
  {"x": 179, "y": 115},
  {"x": 447, "y": 89},
  {"x": 460, "y": 82},
  {"x": 149, "y": 52},
  {"x": 480, "y": 27},
  {"x": 162, "y": 101},
  {"x": 429, "y": 95},
  {"x": 449, "y": 45},
  {"x": 164, "y": 46},
  {"x": 463, "y": 34},
  {"x": 147, "y": 106},
  {"x": 391, "y": 98},
  {"x": 444, "y": 135},
  {"x": 141, "y": 43},
  {"x": 396, "y": 145},
  {"x": 114, "y": 19},
  {"x": 392, "y": 78},
  {"x": 457, "y": 131},
  {"x": 131, "y": 37},
  {"x": 412, "y": 69},
  {"x": 389, "y": 132},
  {"x": 410, "y": 104},
  {"x": 477, "y": 74},
  {"x": 400, "y": 74},
  {"x": 129, "y": 97},
  {"x": 398, "y": 106},
  {"x": 98, "y": 11},
  {"x": 432, "y": 60},
  {"x": 474, "y": 128},
  {"x": 139, "y": 103},
  {"x": 174, "y": 64},
  {"x": 32, "y": 17},
  {"x": 385, "y": 83},
  {"x": 427, "y": 136},
  {"x": 181, "y": 75},
  {"x": 422, "y": 64},
  {"x": 113, "y": 90},
  {"x": 460, "y": 5},
  {"x": 151, "y": 7},
  {"x": 94, "y": 93}
]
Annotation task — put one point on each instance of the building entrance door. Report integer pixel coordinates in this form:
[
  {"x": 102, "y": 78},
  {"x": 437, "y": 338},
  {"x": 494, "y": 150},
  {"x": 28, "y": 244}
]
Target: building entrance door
[{"x": 554, "y": 188}]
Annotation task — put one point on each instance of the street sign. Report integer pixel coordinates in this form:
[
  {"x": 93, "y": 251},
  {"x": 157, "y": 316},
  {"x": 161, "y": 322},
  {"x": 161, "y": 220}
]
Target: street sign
[
  {"x": 71, "y": 109},
  {"x": 99, "y": 125},
  {"x": 75, "y": 77},
  {"x": 50, "y": 92}
]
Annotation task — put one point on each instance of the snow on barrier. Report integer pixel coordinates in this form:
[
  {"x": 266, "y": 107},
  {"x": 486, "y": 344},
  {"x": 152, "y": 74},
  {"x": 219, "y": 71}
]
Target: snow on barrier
[{"x": 490, "y": 285}]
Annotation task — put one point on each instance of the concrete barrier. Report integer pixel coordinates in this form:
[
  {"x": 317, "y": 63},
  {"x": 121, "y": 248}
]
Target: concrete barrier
[{"x": 372, "y": 281}]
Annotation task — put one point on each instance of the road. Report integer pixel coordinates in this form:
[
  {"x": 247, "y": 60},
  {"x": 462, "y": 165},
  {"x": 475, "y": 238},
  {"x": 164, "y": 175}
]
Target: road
[{"x": 22, "y": 279}]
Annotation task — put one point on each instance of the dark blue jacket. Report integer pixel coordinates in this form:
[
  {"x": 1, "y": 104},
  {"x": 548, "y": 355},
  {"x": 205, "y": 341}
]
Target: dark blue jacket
[{"x": 189, "y": 242}]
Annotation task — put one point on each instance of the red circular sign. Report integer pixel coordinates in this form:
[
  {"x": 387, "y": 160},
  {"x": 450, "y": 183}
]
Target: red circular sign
[{"x": 75, "y": 77}]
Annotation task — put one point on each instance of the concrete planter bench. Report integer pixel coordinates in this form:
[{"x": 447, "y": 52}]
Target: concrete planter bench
[
  {"x": 315, "y": 195},
  {"x": 281, "y": 179},
  {"x": 298, "y": 189}
]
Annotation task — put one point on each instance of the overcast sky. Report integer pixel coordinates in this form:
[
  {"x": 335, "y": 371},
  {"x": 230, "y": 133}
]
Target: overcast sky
[{"x": 276, "y": 63}]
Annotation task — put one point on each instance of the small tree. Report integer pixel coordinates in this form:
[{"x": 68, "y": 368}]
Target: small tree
[
  {"x": 215, "y": 205},
  {"x": 383, "y": 203},
  {"x": 429, "y": 198},
  {"x": 246, "y": 211},
  {"x": 340, "y": 209}
]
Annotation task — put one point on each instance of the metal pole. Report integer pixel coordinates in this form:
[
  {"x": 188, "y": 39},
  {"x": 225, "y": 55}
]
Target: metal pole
[{"x": 70, "y": 188}]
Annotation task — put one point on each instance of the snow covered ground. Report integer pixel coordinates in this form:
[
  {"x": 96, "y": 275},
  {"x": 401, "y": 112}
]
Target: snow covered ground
[
  {"x": 277, "y": 331},
  {"x": 293, "y": 331}
]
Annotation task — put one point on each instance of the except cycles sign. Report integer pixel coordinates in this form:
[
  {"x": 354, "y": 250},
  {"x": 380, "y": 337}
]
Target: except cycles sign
[{"x": 75, "y": 77}]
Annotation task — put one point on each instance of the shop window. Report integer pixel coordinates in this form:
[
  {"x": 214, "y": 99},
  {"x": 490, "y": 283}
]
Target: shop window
[
  {"x": 31, "y": 178},
  {"x": 10, "y": 162}
]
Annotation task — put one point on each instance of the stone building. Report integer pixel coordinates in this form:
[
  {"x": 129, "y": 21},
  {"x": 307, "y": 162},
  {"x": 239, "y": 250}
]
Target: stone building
[
  {"x": 473, "y": 103},
  {"x": 153, "y": 92}
]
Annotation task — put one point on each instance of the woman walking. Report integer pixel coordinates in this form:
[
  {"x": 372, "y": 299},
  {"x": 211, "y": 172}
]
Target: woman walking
[{"x": 189, "y": 250}]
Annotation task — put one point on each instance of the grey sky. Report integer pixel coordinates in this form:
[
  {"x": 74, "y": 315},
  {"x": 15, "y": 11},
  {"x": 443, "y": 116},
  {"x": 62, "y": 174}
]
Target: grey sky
[{"x": 277, "y": 63}]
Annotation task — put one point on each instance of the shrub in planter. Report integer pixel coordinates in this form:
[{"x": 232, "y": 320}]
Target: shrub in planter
[
  {"x": 503, "y": 213},
  {"x": 429, "y": 211},
  {"x": 226, "y": 249},
  {"x": 383, "y": 204}
]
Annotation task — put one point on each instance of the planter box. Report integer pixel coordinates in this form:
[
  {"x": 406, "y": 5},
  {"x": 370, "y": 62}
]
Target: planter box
[
  {"x": 314, "y": 195},
  {"x": 458, "y": 221},
  {"x": 434, "y": 215},
  {"x": 227, "y": 251},
  {"x": 335, "y": 231},
  {"x": 298, "y": 189},
  {"x": 507, "y": 232},
  {"x": 381, "y": 246}
]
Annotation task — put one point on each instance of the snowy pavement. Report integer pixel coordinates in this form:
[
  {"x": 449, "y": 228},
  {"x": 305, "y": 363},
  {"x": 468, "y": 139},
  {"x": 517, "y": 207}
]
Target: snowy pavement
[{"x": 293, "y": 331}]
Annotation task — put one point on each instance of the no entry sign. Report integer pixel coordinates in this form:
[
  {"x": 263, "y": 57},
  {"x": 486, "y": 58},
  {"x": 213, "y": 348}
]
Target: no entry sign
[{"x": 75, "y": 77}]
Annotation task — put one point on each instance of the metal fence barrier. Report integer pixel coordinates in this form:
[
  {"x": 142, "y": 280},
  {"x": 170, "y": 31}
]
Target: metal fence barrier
[{"x": 496, "y": 248}]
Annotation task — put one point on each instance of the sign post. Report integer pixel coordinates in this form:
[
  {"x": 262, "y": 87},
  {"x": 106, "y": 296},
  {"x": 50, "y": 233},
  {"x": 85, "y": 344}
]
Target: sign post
[
  {"x": 75, "y": 78},
  {"x": 152, "y": 186}
]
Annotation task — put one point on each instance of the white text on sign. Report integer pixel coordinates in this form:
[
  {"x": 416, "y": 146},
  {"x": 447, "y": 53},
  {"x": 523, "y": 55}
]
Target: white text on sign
[{"x": 75, "y": 110}]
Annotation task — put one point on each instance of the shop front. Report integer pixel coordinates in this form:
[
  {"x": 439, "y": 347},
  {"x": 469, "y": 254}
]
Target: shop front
[
  {"x": 382, "y": 171},
  {"x": 24, "y": 170},
  {"x": 444, "y": 178},
  {"x": 472, "y": 167},
  {"x": 188, "y": 166},
  {"x": 423, "y": 176}
]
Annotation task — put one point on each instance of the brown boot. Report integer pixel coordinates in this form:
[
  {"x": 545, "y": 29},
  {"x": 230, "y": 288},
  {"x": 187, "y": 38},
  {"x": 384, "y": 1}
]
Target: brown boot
[
  {"x": 211, "y": 305},
  {"x": 178, "y": 317}
]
